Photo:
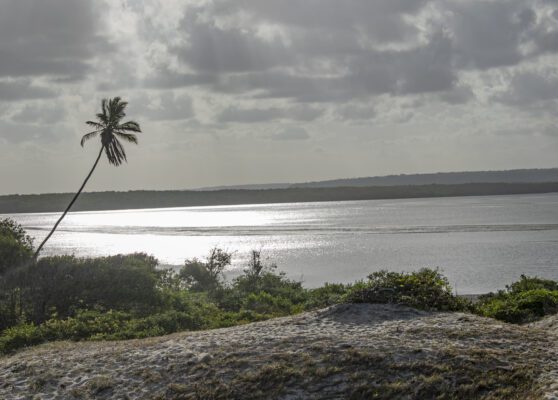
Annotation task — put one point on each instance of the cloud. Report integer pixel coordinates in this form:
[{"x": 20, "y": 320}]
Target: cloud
[
  {"x": 23, "y": 89},
  {"x": 488, "y": 34},
  {"x": 167, "y": 106},
  {"x": 327, "y": 51},
  {"x": 49, "y": 37},
  {"x": 383, "y": 20},
  {"x": 254, "y": 115},
  {"x": 43, "y": 113},
  {"x": 292, "y": 133},
  {"x": 457, "y": 95},
  {"x": 529, "y": 89},
  {"x": 212, "y": 49},
  {"x": 309, "y": 51},
  {"x": 168, "y": 79},
  {"x": 356, "y": 112},
  {"x": 21, "y": 133}
]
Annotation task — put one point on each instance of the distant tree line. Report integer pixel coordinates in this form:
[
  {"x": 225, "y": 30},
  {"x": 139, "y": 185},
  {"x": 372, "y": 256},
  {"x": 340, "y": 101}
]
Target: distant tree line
[{"x": 177, "y": 198}]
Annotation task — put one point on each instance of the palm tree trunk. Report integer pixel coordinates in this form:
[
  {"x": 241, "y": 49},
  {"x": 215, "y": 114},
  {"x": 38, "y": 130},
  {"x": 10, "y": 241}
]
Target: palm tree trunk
[{"x": 69, "y": 205}]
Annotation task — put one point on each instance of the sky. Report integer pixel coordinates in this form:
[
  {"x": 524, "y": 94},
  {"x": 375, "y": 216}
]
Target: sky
[{"x": 259, "y": 91}]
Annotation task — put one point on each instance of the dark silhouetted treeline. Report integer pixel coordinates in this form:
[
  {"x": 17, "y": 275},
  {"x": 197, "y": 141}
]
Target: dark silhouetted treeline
[{"x": 180, "y": 198}]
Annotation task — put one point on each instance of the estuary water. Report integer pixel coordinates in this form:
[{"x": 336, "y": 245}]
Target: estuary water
[{"x": 480, "y": 243}]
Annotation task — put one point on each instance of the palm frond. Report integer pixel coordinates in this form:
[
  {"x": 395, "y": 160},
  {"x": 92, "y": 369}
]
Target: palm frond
[
  {"x": 103, "y": 115},
  {"x": 104, "y": 104},
  {"x": 116, "y": 110},
  {"x": 129, "y": 126},
  {"x": 115, "y": 152},
  {"x": 95, "y": 125},
  {"x": 88, "y": 136},
  {"x": 129, "y": 137},
  {"x": 111, "y": 156}
]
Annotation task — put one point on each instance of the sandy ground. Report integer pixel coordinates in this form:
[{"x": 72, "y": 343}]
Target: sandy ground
[{"x": 345, "y": 351}]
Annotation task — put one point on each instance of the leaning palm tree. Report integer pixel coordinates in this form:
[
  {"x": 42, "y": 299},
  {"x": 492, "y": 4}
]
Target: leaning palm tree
[{"x": 111, "y": 129}]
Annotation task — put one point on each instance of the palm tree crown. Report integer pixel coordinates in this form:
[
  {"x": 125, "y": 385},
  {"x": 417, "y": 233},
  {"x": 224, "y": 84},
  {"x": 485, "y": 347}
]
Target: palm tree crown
[{"x": 109, "y": 125}]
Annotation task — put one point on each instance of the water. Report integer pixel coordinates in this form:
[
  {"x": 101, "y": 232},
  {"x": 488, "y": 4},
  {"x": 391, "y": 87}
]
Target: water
[{"x": 480, "y": 243}]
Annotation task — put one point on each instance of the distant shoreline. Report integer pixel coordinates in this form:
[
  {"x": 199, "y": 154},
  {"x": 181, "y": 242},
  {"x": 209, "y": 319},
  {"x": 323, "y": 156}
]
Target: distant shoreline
[{"x": 96, "y": 201}]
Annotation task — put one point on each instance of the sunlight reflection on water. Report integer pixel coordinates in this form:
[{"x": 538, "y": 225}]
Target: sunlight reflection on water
[{"x": 481, "y": 243}]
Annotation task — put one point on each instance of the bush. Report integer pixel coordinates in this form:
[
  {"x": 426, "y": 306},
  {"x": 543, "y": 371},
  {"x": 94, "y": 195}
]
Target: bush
[
  {"x": 16, "y": 247},
  {"x": 65, "y": 284},
  {"x": 526, "y": 283},
  {"x": 269, "y": 291},
  {"x": 200, "y": 276},
  {"x": 20, "y": 336},
  {"x": 327, "y": 295},
  {"x": 523, "y": 301},
  {"x": 265, "y": 303},
  {"x": 426, "y": 289},
  {"x": 118, "y": 325},
  {"x": 521, "y": 307}
]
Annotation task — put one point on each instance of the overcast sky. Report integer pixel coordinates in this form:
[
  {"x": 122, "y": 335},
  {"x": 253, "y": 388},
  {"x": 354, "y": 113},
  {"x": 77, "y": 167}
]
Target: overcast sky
[{"x": 257, "y": 91}]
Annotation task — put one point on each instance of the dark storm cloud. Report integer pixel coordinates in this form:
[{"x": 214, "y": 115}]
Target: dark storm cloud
[
  {"x": 22, "y": 89},
  {"x": 48, "y": 37}
]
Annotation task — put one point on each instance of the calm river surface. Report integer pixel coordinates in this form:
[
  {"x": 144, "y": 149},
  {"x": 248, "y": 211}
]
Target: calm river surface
[{"x": 480, "y": 243}]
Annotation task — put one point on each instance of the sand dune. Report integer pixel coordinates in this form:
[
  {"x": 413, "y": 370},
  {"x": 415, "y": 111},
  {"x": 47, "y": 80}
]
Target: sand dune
[{"x": 345, "y": 351}]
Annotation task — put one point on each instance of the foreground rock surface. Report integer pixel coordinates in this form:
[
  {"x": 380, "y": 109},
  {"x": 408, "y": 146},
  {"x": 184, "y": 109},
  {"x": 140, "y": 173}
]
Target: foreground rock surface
[{"x": 359, "y": 351}]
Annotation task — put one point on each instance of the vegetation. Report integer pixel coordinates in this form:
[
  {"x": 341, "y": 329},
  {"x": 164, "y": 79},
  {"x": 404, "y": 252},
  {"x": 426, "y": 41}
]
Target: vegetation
[
  {"x": 128, "y": 296},
  {"x": 426, "y": 289},
  {"x": 16, "y": 247},
  {"x": 111, "y": 130},
  {"x": 524, "y": 301},
  {"x": 52, "y": 202}
]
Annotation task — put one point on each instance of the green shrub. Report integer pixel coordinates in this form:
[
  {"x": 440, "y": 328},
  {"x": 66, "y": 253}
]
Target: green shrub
[
  {"x": 16, "y": 247},
  {"x": 523, "y": 301},
  {"x": 118, "y": 325},
  {"x": 327, "y": 295},
  {"x": 260, "y": 280},
  {"x": 65, "y": 284},
  {"x": 526, "y": 283},
  {"x": 199, "y": 276},
  {"x": 425, "y": 289},
  {"x": 20, "y": 336},
  {"x": 265, "y": 303}
]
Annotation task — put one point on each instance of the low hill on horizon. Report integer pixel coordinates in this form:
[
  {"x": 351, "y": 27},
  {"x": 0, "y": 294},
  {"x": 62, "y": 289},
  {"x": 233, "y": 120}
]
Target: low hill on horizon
[{"x": 533, "y": 175}]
